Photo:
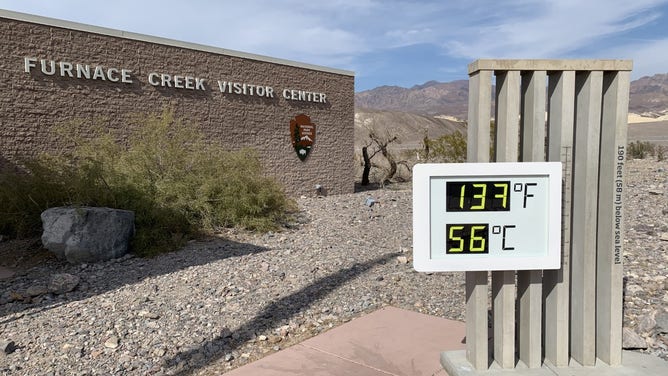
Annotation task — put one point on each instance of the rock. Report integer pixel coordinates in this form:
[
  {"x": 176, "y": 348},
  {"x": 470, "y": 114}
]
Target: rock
[
  {"x": 225, "y": 333},
  {"x": 662, "y": 322},
  {"x": 402, "y": 259},
  {"x": 370, "y": 202},
  {"x": 14, "y": 297},
  {"x": 36, "y": 290},
  {"x": 63, "y": 283},
  {"x": 229, "y": 357},
  {"x": 112, "y": 342},
  {"x": 631, "y": 340},
  {"x": 70, "y": 349},
  {"x": 149, "y": 315},
  {"x": 646, "y": 324},
  {"x": 664, "y": 236},
  {"x": 275, "y": 339},
  {"x": 7, "y": 347},
  {"x": 87, "y": 234}
]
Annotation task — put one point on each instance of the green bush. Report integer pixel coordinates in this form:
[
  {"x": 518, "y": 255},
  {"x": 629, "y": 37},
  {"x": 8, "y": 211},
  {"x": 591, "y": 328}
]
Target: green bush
[
  {"x": 640, "y": 150},
  {"x": 178, "y": 185},
  {"x": 449, "y": 148}
]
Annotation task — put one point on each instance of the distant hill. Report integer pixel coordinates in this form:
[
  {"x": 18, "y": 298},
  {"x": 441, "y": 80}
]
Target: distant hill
[
  {"x": 430, "y": 98},
  {"x": 432, "y": 109},
  {"x": 649, "y": 97},
  {"x": 409, "y": 128}
]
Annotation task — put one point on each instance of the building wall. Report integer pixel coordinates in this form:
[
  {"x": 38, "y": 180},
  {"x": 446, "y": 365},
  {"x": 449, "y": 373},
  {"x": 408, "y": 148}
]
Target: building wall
[{"x": 33, "y": 104}]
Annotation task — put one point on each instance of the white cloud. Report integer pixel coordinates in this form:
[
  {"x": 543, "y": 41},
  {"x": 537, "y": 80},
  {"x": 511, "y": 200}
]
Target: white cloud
[
  {"x": 649, "y": 56},
  {"x": 552, "y": 29},
  {"x": 340, "y": 33}
]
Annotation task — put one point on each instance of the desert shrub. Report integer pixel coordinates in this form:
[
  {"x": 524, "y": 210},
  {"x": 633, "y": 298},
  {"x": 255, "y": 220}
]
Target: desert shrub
[
  {"x": 660, "y": 153},
  {"x": 177, "y": 185},
  {"x": 449, "y": 148},
  {"x": 640, "y": 149}
]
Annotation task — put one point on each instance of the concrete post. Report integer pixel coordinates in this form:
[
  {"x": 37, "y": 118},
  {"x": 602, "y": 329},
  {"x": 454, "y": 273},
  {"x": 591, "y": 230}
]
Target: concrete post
[
  {"x": 505, "y": 150},
  {"x": 609, "y": 273},
  {"x": 529, "y": 287},
  {"x": 588, "y": 96},
  {"x": 556, "y": 283},
  {"x": 476, "y": 282}
]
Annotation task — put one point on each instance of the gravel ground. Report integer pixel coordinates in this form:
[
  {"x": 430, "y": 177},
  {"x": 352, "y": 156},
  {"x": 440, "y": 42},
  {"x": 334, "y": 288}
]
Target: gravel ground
[{"x": 232, "y": 299}]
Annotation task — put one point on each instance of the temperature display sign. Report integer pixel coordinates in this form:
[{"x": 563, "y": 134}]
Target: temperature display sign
[
  {"x": 478, "y": 196},
  {"x": 487, "y": 216}
]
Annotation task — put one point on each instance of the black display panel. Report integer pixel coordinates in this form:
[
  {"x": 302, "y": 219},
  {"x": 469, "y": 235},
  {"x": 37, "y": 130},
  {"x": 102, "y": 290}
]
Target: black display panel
[{"x": 477, "y": 196}]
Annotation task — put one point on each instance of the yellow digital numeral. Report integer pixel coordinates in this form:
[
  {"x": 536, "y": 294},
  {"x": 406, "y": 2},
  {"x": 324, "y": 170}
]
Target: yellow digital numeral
[
  {"x": 504, "y": 195},
  {"x": 452, "y": 237},
  {"x": 479, "y": 239},
  {"x": 480, "y": 196},
  {"x": 462, "y": 192}
]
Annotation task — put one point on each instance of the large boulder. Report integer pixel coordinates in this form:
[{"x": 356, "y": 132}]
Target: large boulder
[{"x": 87, "y": 234}]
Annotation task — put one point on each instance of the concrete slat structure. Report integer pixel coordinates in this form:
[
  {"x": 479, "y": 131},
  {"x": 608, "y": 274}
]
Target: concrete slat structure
[
  {"x": 556, "y": 283},
  {"x": 480, "y": 92},
  {"x": 588, "y": 94},
  {"x": 609, "y": 272},
  {"x": 503, "y": 282},
  {"x": 572, "y": 111},
  {"x": 529, "y": 282}
]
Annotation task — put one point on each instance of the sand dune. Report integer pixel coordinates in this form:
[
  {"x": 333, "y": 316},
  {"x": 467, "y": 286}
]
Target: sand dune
[{"x": 635, "y": 118}]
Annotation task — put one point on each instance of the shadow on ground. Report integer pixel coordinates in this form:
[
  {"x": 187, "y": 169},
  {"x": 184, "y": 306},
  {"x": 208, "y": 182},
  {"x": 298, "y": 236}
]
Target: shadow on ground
[
  {"x": 188, "y": 362},
  {"x": 111, "y": 275}
]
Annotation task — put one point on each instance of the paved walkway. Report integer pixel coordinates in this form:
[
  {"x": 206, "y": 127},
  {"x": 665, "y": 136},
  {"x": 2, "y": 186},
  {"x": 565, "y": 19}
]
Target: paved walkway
[
  {"x": 394, "y": 342},
  {"x": 390, "y": 341}
]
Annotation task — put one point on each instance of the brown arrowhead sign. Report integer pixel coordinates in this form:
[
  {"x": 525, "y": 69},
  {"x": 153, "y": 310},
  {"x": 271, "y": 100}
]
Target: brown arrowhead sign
[{"x": 302, "y": 132}]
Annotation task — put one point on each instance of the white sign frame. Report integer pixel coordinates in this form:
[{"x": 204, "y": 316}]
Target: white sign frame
[{"x": 549, "y": 173}]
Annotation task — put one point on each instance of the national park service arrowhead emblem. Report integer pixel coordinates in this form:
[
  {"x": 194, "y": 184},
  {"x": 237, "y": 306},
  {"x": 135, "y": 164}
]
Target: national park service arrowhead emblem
[{"x": 302, "y": 132}]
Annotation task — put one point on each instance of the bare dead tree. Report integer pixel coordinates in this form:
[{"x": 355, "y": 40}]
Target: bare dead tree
[
  {"x": 380, "y": 145},
  {"x": 367, "y": 164}
]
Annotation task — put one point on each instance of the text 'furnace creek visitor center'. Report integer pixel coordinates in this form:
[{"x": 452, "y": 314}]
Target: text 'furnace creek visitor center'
[{"x": 299, "y": 117}]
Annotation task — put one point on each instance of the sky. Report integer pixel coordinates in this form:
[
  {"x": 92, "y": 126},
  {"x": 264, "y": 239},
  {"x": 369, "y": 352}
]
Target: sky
[{"x": 392, "y": 42}]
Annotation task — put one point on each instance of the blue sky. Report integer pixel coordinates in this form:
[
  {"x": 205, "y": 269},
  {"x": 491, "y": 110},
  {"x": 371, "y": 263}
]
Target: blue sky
[{"x": 392, "y": 42}]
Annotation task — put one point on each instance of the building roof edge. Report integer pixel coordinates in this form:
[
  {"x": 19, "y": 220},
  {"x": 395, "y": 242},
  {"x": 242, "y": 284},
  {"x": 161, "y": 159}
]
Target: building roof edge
[{"x": 54, "y": 22}]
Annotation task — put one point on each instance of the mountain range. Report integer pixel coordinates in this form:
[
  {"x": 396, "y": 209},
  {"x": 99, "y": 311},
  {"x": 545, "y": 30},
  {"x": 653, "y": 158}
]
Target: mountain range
[{"x": 648, "y": 97}]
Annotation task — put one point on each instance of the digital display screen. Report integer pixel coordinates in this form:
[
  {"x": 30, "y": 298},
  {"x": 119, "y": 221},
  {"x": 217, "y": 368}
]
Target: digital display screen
[
  {"x": 467, "y": 238},
  {"x": 487, "y": 216},
  {"x": 463, "y": 196}
]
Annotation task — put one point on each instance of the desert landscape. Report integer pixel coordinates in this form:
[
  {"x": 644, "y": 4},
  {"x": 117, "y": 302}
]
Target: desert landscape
[{"x": 243, "y": 295}]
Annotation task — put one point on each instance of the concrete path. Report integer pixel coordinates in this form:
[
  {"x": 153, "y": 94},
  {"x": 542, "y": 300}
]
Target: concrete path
[
  {"x": 390, "y": 341},
  {"x": 397, "y": 342}
]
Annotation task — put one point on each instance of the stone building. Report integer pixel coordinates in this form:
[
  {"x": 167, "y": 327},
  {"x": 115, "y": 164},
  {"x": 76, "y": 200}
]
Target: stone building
[{"x": 299, "y": 117}]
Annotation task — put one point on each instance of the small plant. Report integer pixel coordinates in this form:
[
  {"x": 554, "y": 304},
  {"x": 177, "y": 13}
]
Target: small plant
[
  {"x": 640, "y": 149},
  {"x": 177, "y": 185},
  {"x": 449, "y": 148},
  {"x": 660, "y": 153}
]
